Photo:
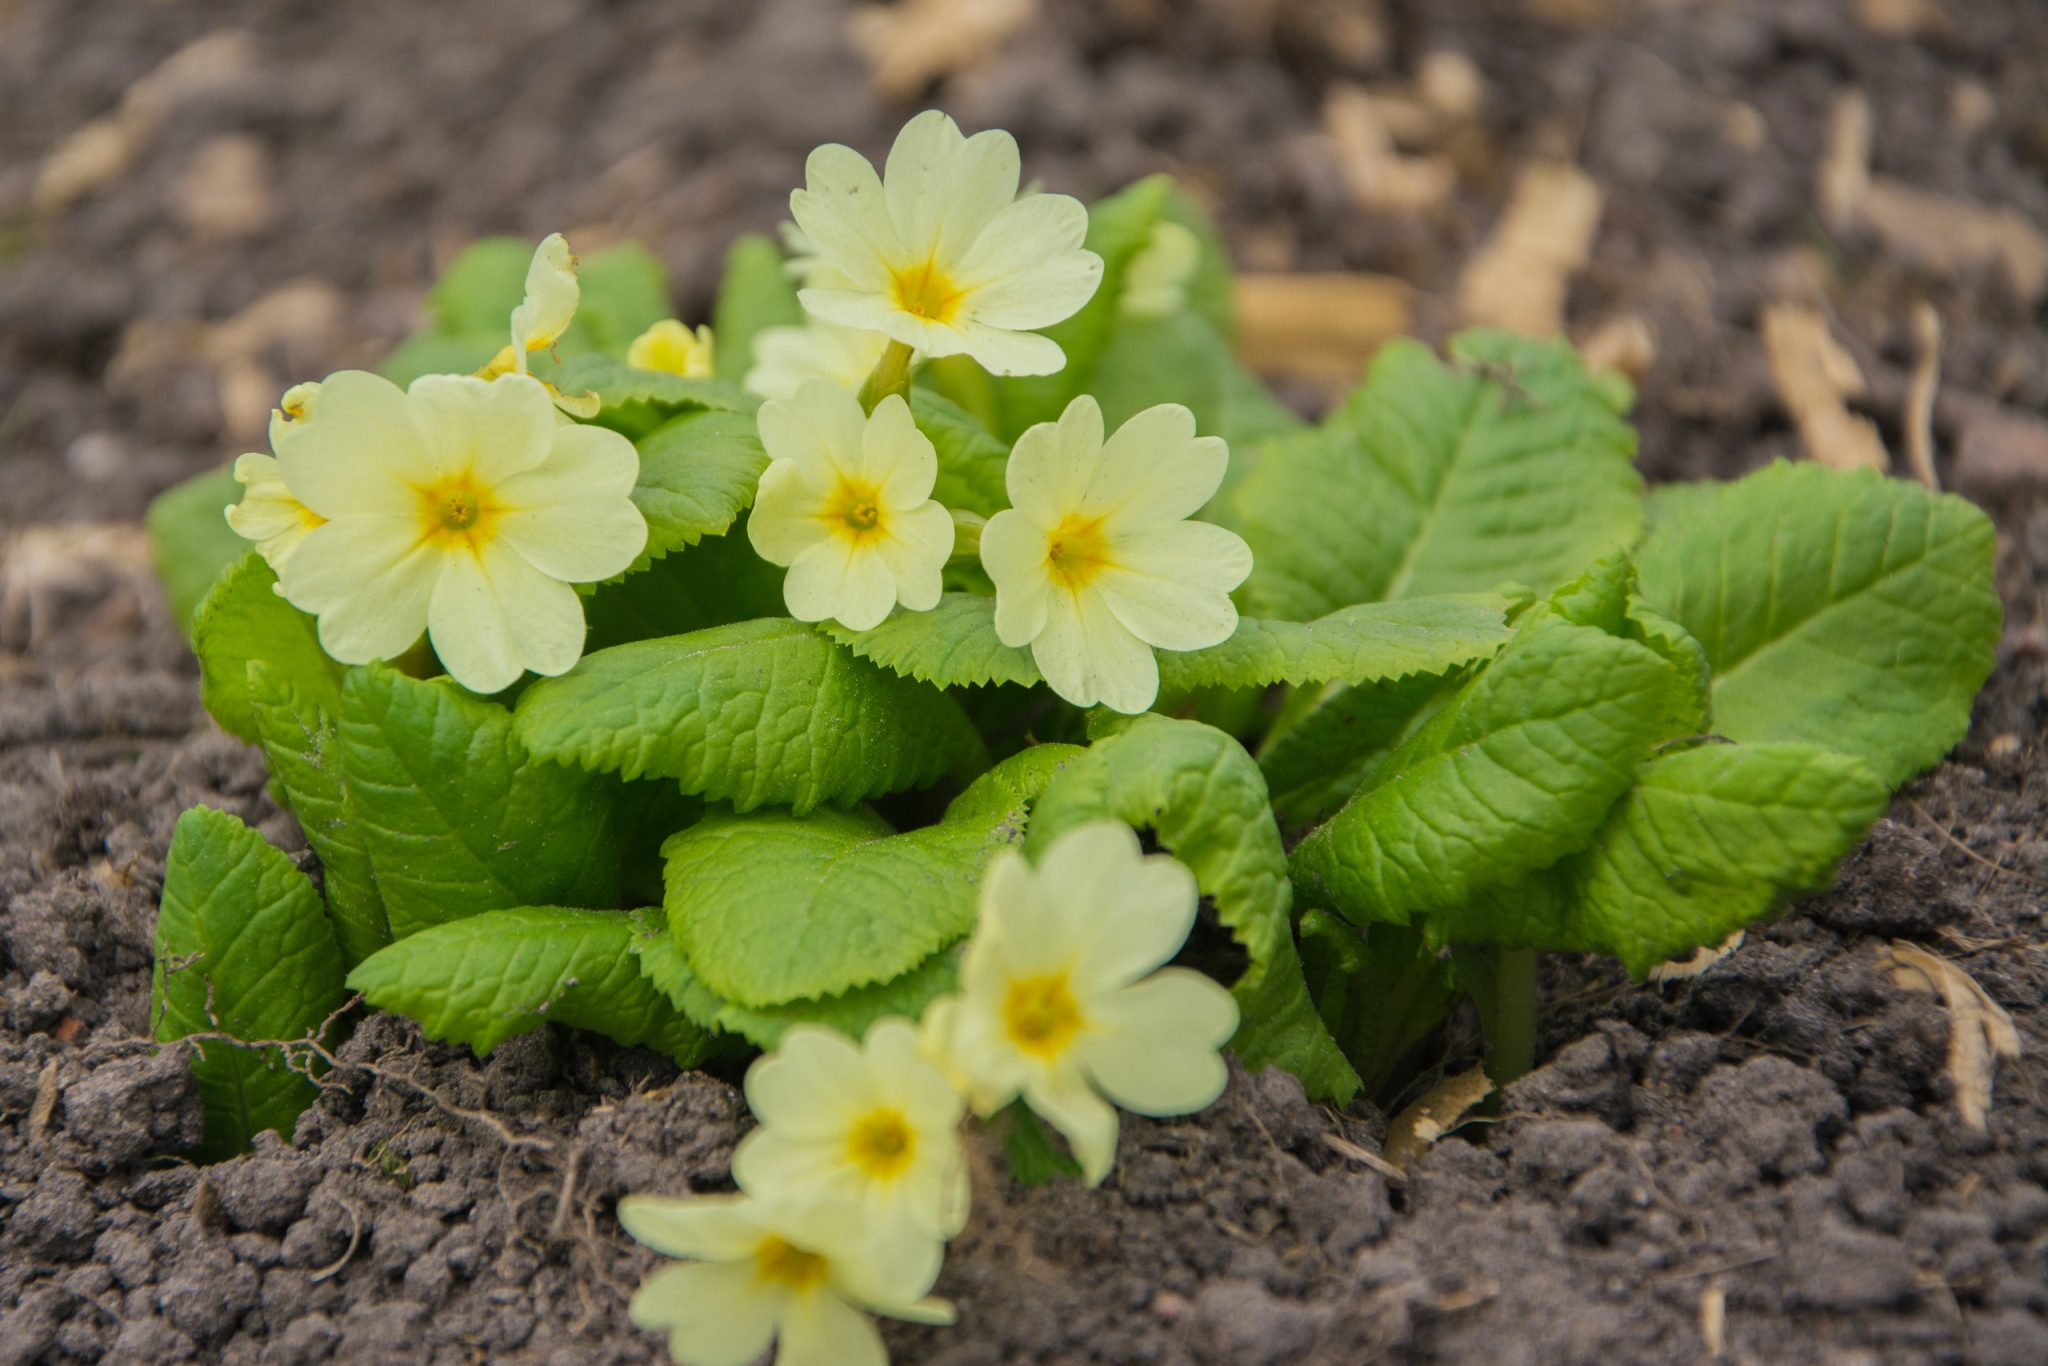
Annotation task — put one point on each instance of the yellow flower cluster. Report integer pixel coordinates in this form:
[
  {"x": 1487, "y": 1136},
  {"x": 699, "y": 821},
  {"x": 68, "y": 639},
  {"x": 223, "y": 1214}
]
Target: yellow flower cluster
[{"x": 856, "y": 1176}]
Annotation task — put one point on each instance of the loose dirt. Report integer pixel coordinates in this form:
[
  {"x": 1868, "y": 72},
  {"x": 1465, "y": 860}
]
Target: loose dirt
[{"x": 1762, "y": 1164}]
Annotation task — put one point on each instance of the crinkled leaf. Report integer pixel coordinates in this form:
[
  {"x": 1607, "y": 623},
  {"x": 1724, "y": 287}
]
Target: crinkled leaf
[
  {"x": 190, "y": 540},
  {"x": 1848, "y": 610},
  {"x": 620, "y": 384},
  {"x": 715, "y": 582},
  {"x": 953, "y": 645},
  {"x": 770, "y": 907},
  {"x": 698, "y": 472},
  {"x": 1708, "y": 841},
  {"x": 1350, "y": 645},
  {"x": 457, "y": 817},
  {"x": 1203, "y": 798},
  {"x": 244, "y": 619},
  {"x": 972, "y": 464},
  {"x": 1508, "y": 465},
  {"x": 1323, "y": 754},
  {"x": 1515, "y": 771},
  {"x": 302, "y": 743},
  {"x": 242, "y": 948},
  {"x": 481, "y": 980},
  {"x": 755, "y": 293},
  {"x": 759, "y": 711},
  {"x": 849, "y": 1012}
]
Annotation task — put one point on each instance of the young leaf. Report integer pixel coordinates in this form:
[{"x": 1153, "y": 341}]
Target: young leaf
[
  {"x": 772, "y": 908},
  {"x": 456, "y": 816},
  {"x": 190, "y": 540},
  {"x": 718, "y": 581},
  {"x": 302, "y": 744},
  {"x": 244, "y": 619},
  {"x": 760, "y": 711},
  {"x": 1350, "y": 645},
  {"x": 1034, "y": 1158},
  {"x": 1515, "y": 771},
  {"x": 469, "y": 312},
  {"x": 1212, "y": 291},
  {"x": 1848, "y": 610},
  {"x": 952, "y": 646},
  {"x": 1508, "y": 465},
  {"x": 1319, "y": 759},
  {"x": 242, "y": 948},
  {"x": 698, "y": 472},
  {"x": 756, "y": 293},
  {"x": 972, "y": 464},
  {"x": 849, "y": 1012},
  {"x": 481, "y": 980},
  {"x": 1708, "y": 841},
  {"x": 1204, "y": 800}
]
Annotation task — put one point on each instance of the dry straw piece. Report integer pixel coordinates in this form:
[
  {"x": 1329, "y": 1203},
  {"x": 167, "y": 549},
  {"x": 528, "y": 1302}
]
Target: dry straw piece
[
  {"x": 1980, "y": 1032},
  {"x": 1380, "y": 179},
  {"x": 1814, "y": 374},
  {"x": 1698, "y": 961},
  {"x": 1416, "y": 1129},
  {"x": 911, "y": 44},
  {"x": 1518, "y": 280},
  {"x": 1317, "y": 326}
]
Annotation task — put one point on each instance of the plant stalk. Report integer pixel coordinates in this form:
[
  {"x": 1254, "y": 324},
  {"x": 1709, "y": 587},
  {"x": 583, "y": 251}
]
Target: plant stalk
[
  {"x": 1514, "y": 1015},
  {"x": 891, "y": 375}
]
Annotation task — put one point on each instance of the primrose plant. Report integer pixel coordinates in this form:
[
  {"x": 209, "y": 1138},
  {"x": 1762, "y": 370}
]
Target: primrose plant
[{"x": 950, "y": 676}]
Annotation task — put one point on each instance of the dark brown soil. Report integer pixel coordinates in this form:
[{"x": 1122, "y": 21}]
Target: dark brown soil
[{"x": 1777, "y": 1136}]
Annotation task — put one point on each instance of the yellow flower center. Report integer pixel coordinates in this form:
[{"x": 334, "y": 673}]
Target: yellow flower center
[
  {"x": 1042, "y": 1015},
  {"x": 882, "y": 1144},
  {"x": 858, "y": 510},
  {"x": 777, "y": 1263},
  {"x": 457, "y": 512},
  {"x": 925, "y": 292},
  {"x": 1077, "y": 551}
]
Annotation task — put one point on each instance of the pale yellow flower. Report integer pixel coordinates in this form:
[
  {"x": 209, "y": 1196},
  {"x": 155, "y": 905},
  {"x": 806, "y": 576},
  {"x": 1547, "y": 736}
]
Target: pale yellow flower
[
  {"x": 1095, "y": 562},
  {"x": 1156, "y": 281},
  {"x": 552, "y": 296},
  {"x": 463, "y": 508},
  {"x": 870, "y": 1124},
  {"x": 940, "y": 254},
  {"x": 846, "y": 504},
  {"x": 268, "y": 514},
  {"x": 797, "y": 1275},
  {"x": 1060, "y": 1002},
  {"x": 786, "y": 356},
  {"x": 671, "y": 347}
]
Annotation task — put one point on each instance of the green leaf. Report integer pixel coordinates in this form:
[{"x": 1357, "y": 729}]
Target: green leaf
[
  {"x": 620, "y": 384},
  {"x": 1212, "y": 291},
  {"x": 242, "y": 948},
  {"x": 849, "y": 1012},
  {"x": 756, "y": 293},
  {"x": 1204, "y": 800},
  {"x": 770, "y": 907},
  {"x": 244, "y": 619},
  {"x": 1351, "y": 645},
  {"x": 698, "y": 472},
  {"x": 1708, "y": 841},
  {"x": 1514, "y": 772},
  {"x": 1034, "y": 1158},
  {"x": 302, "y": 744},
  {"x": 718, "y": 581},
  {"x": 457, "y": 817},
  {"x": 431, "y": 353},
  {"x": 972, "y": 464},
  {"x": 1509, "y": 465},
  {"x": 1321, "y": 756},
  {"x": 760, "y": 711},
  {"x": 190, "y": 540},
  {"x": 480, "y": 288},
  {"x": 482, "y": 980},
  {"x": 624, "y": 292},
  {"x": 952, "y": 646},
  {"x": 1380, "y": 991},
  {"x": 1849, "y": 610}
]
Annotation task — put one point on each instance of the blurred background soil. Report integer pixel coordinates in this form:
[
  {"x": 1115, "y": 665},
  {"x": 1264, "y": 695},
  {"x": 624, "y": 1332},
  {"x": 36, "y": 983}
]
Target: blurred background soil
[{"x": 1783, "y": 213}]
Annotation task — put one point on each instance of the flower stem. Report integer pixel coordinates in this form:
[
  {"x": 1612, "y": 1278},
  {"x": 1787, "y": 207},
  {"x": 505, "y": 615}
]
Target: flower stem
[
  {"x": 1514, "y": 1015},
  {"x": 891, "y": 376}
]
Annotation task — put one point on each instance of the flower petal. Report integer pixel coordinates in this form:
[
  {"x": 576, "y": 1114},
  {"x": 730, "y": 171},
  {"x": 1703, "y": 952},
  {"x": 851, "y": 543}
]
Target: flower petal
[
  {"x": 1001, "y": 352},
  {"x": 1155, "y": 470},
  {"x": 717, "y": 1313},
  {"x": 1040, "y": 234},
  {"x": 837, "y": 580},
  {"x": 713, "y": 1228},
  {"x": 820, "y": 429},
  {"x": 810, "y": 1084},
  {"x": 944, "y": 190},
  {"x": 543, "y": 615},
  {"x": 359, "y": 453},
  {"x": 787, "y": 516},
  {"x": 1069, "y": 1104},
  {"x": 1088, "y": 656},
  {"x": 571, "y": 518},
  {"x": 820, "y": 1329},
  {"x": 369, "y": 580},
  {"x": 1165, "y": 614},
  {"x": 843, "y": 211},
  {"x": 1013, "y": 551},
  {"x": 467, "y": 624},
  {"x": 490, "y": 429},
  {"x": 1152, "y": 1046},
  {"x": 551, "y": 296},
  {"x": 919, "y": 543},
  {"x": 1126, "y": 912},
  {"x": 1053, "y": 463},
  {"x": 895, "y": 457}
]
